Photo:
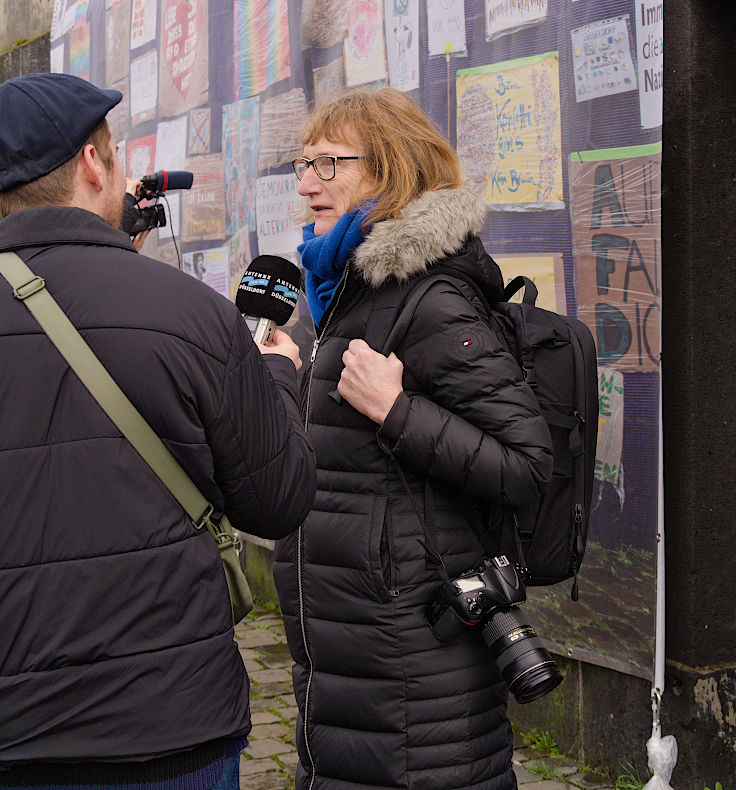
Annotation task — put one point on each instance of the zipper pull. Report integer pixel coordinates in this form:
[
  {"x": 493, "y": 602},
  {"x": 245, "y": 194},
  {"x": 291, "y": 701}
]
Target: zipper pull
[{"x": 314, "y": 349}]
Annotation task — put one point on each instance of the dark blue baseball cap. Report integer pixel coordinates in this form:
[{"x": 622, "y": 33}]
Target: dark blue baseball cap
[{"x": 46, "y": 119}]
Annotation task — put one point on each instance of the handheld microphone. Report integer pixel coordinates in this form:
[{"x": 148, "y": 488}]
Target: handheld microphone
[
  {"x": 268, "y": 291},
  {"x": 157, "y": 183}
]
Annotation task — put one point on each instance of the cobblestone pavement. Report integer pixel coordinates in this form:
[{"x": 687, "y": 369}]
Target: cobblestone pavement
[{"x": 270, "y": 760}]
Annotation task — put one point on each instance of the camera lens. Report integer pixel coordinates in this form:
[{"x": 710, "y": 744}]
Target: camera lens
[{"x": 526, "y": 666}]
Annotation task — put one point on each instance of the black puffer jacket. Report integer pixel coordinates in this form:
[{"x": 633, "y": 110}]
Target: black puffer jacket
[
  {"x": 116, "y": 636},
  {"x": 381, "y": 702}
]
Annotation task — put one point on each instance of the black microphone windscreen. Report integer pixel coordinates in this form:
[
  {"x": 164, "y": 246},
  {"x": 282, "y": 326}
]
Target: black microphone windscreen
[{"x": 269, "y": 288}]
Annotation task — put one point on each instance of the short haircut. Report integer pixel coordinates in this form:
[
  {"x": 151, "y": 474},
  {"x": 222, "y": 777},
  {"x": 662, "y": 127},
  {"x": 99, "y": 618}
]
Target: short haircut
[
  {"x": 404, "y": 151},
  {"x": 56, "y": 187}
]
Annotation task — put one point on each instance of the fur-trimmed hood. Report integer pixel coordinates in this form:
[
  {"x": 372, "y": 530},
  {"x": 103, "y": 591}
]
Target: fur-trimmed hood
[{"x": 433, "y": 226}]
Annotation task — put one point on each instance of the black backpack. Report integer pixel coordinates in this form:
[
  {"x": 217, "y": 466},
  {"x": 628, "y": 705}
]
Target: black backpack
[{"x": 558, "y": 359}]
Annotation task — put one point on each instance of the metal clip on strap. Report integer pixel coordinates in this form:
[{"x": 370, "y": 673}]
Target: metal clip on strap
[{"x": 28, "y": 289}]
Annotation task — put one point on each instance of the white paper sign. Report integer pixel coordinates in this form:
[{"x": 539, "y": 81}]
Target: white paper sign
[
  {"x": 144, "y": 87},
  {"x": 278, "y": 206},
  {"x": 142, "y": 22},
  {"x": 402, "y": 43},
  {"x": 446, "y": 27},
  {"x": 649, "y": 46},
  {"x": 172, "y": 222},
  {"x": 56, "y": 59},
  {"x": 602, "y": 59},
  {"x": 610, "y": 425},
  {"x": 171, "y": 144}
]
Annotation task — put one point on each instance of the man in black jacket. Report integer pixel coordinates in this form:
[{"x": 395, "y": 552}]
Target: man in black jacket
[{"x": 117, "y": 658}]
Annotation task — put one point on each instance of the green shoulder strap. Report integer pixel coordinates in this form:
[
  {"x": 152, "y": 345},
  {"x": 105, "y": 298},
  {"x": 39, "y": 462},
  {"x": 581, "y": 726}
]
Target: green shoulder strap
[{"x": 31, "y": 290}]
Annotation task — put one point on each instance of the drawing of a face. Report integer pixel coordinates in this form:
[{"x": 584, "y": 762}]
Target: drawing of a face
[{"x": 363, "y": 27}]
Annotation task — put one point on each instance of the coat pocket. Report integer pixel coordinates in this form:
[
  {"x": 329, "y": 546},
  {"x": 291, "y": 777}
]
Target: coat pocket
[{"x": 383, "y": 556}]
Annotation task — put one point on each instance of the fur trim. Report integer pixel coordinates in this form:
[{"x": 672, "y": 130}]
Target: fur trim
[{"x": 433, "y": 226}]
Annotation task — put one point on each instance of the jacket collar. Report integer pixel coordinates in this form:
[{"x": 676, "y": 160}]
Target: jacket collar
[
  {"x": 433, "y": 226},
  {"x": 49, "y": 225}
]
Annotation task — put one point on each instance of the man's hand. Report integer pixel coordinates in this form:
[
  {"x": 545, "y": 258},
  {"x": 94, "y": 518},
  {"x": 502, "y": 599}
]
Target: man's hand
[
  {"x": 282, "y": 344},
  {"x": 370, "y": 382}
]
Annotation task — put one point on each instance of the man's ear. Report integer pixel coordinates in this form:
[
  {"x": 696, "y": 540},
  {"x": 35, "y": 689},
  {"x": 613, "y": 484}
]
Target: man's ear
[{"x": 92, "y": 167}]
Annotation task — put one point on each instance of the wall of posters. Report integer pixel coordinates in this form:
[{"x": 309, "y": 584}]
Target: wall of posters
[{"x": 555, "y": 109}]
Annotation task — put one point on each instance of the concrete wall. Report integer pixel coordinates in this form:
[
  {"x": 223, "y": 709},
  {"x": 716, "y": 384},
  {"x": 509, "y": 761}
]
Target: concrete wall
[{"x": 21, "y": 20}]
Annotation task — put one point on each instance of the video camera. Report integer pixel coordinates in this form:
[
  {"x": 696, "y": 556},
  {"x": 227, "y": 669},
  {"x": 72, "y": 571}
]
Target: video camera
[{"x": 137, "y": 218}]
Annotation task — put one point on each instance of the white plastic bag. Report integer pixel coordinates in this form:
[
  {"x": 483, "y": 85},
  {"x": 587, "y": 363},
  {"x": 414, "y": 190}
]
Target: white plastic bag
[{"x": 662, "y": 756}]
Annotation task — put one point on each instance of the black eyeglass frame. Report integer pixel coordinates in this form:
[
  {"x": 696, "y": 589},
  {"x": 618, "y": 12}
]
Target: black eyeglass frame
[{"x": 308, "y": 162}]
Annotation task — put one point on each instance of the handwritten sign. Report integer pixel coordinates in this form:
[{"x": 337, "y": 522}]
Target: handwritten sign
[
  {"x": 278, "y": 206},
  {"x": 239, "y": 258},
  {"x": 610, "y": 425},
  {"x": 650, "y": 52},
  {"x": 117, "y": 34},
  {"x": 142, "y": 22},
  {"x": 143, "y": 88},
  {"x": 616, "y": 218},
  {"x": 240, "y": 149},
  {"x": 545, "y": 271},
  {"x": 508, "y": 131},
  {"x": 203, "y": 206},
  {"x": 507, "y": 16},
  {"x": 446, "y": 27}
]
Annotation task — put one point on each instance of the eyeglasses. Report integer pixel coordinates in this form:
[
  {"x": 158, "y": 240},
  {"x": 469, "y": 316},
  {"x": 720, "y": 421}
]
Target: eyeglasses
[{"x": 324, "y": 165}]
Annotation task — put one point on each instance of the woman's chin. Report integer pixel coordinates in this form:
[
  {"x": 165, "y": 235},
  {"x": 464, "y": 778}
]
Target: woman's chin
[{"x": 323, "y": 224}]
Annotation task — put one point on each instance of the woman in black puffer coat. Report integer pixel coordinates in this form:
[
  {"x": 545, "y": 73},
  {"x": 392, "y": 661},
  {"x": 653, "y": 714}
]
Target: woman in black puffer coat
[{"x": 383, "y": 703}]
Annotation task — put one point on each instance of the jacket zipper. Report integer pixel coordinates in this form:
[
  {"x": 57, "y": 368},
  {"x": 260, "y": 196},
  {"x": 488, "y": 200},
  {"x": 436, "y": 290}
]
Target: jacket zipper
[
  {"x": 393, "y": 590},
  {"x": 300, "y": 537}
]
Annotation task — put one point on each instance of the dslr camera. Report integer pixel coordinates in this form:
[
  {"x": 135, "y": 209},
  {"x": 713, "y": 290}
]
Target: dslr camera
[{"x": 488, "y": 597}]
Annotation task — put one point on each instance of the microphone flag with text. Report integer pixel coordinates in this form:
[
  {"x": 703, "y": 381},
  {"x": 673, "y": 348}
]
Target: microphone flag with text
[{"x": 268, "y": 291}]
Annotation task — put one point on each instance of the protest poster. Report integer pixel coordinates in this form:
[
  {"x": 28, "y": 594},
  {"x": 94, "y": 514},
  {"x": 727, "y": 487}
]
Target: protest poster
[
  {"x": 329, "y": 80},
  {"x": 262, "y": 54},
  {"x": 446, "y": 27},
  {"x": 601, "y": 58},
  {"x": 402, "y": 43},
  {"x": 364, "y": 48},
  {"x": 118, "y": 118},
  {"x": 508, "y": 132},
  {"x": 184, "y": 62},
  {"x": 209, "y": 266},
  {"x": 117, "y": 34},
  {"x": 240, "y": 123},
  {"x": 650, "y": 57},
  {"x": 324, "y": 23},
  {"x": 80, "y": 13},
  {"x": 173, "y": 216},
  {"x": 143, "y": 88},
  {"x": 279, "y": 207},
  {"x": 280, "y": 128},
  {"x": 142, "y": 23},
  {"x": 171, "y": 144},
  {"x": 610, "y": 425},
  {"x": 238, "y": 260},
  {"x": 56, "y": 59},
  {"x": 200, "y": 126},
  {"x": 547, "y": 273},
  {"x": 616, "y": 222},
  {"x": 508, "y": 16},
  {"x": 203, "y": 206},
  {"x": 79, "y": 52},
  {"x": 140, "y": 156}
]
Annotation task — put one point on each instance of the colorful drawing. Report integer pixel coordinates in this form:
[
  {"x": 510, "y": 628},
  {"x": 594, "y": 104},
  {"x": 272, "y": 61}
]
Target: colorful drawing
[
  {"x": 261, "y": 45},
  {"x": 79, "y": 52},
  {"x": 324, "y": 23},
  {"x": 281, "y": 121},
  {"x": 364, "y": 47},
  {"x": 203, "y": 206},
  {"x": 601, "y": 58},
  {"x": 508, "y": 131},
  {"x": 140, "y": 156},
  {"x": 240, "y": 122},
  {"x": 209, "y": 266},
  {"x": 142, "y": 22},
  {"x": 184, "y": 62},
  {"x": 119, "y": 117},
  {"x": 199, "y": 131},
  {"x": 329, "y": 80},
  {"x": 446, "y": 27},
  {"x": 545, "y": 271},
  {"x": 143, "y": 88},
  {"x": 117, "y": 34},
  {"x": 616, "y": 222},
  {"x": 507, "y": 16},
  {"x": 402, "y": 43}
]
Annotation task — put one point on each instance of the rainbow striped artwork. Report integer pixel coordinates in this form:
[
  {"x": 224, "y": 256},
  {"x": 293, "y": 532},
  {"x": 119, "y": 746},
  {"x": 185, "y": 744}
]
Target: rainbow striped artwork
[
  {"x": 261, "y": 45},
  {"x": 79, "y": 52}
]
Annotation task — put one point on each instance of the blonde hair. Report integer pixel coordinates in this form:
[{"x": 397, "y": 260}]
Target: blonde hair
[
  {"x": 56, "y": 187},
  {"x": 403, "y": 150}
]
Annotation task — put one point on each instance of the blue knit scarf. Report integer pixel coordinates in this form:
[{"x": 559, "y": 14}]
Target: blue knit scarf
[{"x": 325, "y": 257}]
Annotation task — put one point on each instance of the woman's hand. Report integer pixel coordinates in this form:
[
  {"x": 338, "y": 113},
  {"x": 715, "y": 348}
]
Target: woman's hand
[{"x": 370, "y": 382}]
